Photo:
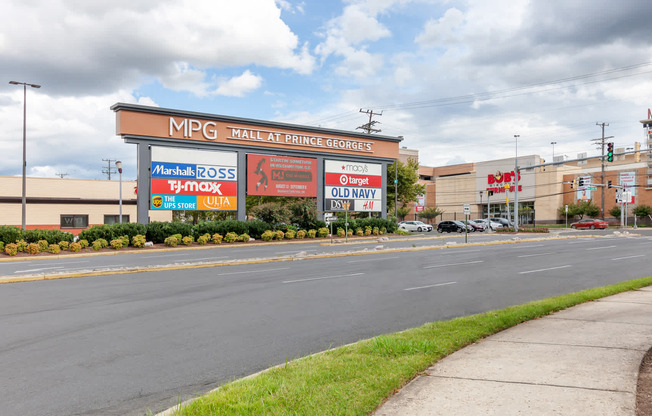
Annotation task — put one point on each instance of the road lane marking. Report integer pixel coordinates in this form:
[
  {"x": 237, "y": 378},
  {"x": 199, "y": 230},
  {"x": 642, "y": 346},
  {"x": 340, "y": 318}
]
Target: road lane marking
[
  {"x": 322, "y": 278},
  {"x": 253, "y": 271},
  {"x": 599, "y": 248},
  {"x": 360, "y": 261},
  {"x": 545, "y": 270},
  {"x": 532, "y": 255},
  {"x": 629, "y": 257},
  {"x": 38, "y": 270},
  {"x": 453, "y": 264},
  {"x": 426, "y": 287},
  {"x": 536, "y": 245}
]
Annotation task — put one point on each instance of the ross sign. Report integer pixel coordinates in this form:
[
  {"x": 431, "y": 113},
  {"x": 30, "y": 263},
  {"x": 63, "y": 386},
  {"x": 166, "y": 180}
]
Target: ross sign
[
  {"x": 189, "y": 179},
  {"x": 273, "y": 175},
  {"x": 358, "y": 184}
]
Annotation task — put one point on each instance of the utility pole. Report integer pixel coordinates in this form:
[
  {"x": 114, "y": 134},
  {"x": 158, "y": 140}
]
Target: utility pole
[
  {"x": 601, "y": 140},
  {"x": 369, "y": 126},
  {"x": 109, "y": 169},
  {"x": 61, "y": 175}
]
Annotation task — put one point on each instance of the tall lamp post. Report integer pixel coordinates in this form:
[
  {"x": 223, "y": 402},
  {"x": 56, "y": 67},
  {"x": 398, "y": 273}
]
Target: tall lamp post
[
  {"x": 516, "y": 136},
  {"x": 118, "y": 165},
  {"x": 25, "y": 85}
]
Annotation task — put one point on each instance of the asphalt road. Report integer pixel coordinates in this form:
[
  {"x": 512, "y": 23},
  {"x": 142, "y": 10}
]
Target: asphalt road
[{"x": 128, "y": 343}]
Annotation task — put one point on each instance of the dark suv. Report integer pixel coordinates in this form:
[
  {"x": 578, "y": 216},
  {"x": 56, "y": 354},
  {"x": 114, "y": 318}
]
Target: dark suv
[{"x": 451, "y": 227}]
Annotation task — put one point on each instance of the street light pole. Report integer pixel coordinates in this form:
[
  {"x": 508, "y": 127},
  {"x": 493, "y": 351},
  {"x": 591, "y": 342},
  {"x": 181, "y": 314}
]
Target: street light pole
[
  {"x": 24, "y": 202},
  {"x": 516, "y": 136},
  {"x": 118, "y": 165}
]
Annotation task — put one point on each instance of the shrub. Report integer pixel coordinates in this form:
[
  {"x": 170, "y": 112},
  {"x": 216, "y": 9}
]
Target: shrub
[
  {"x": 187, "y": 241},
  {"x": 33, "y": 248},
  {"x": 256, "y": 228},
  {"x": 157, "y": 231},
  {"x": 96, "y": 232},
  {"x": 359, "y": 232},
  {"x": 11, "y": 249},
  {"x": 75, "y": 247},
  {"x": 219, "y": 227},
  {"x": 383, "y": 230},
  {"x": 322, "y": 232},
  {"x": 2, "y": 246},
  {"x": 267, "y": 235},
  {"x": 341, "y": 232},
  {"x": 129, "y": 229},
  {"x": 83, "y": 243},
  {"x": 171, "y": 241},
  {"x": 203, "y": 239},
  {"x": 64, "y": 245},
  {"x": 9, "y": 234},
  {"x": 117, "y": 243},
  {"x": 244, "y": 237},
  {"x": 43, "y": 244},
  {"x": 97, "y": 245},
  {"x": 102, "y": 242},
  {"x": 21, "y": 245},
  {"x": 217, "y": 238},
  {"x": 375, "y": 231},
  {"x": 349, "y": 232},
  {"x": 279, "y": 235},
  {"x": 231, "y": 237},
  {"x": 125, "y": 240},
  {"x": 312, "y": 233},
  {"x": 138, "y": 241},
  {"x": 54, "y": 248},
  {"x": 290, "y": 234},
  {"x": 301, "y": 234},
  {"x": 367, "y": 230},
  {"x": 51, "y": 236}
]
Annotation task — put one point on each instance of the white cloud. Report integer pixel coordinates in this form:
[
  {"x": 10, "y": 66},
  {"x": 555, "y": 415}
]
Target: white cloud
[{"x": 240, "y": 85}]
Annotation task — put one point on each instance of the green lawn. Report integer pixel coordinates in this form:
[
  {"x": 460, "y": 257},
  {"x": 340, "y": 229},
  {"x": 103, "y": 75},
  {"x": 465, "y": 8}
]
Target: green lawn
[{"x": 356, "y": 379}]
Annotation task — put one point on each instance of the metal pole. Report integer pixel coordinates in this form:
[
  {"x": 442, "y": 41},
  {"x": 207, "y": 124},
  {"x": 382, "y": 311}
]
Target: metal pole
[
  {"x": 516, "y": 136},
  {"x": 396, "y": 189},
  {"x": 24, "y": 156},
  {"x": 120, "y": 196}
]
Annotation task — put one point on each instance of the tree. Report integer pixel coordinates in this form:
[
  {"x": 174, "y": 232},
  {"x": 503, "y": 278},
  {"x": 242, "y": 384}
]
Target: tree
[
  {"x": 402, "y": 212},
  {"x": 271, "y": 212},
  {"x": 408, "y": 187},
  {"x": 430, "y": 213},
  {"x": 580, "y": 209},
  {"x": 615, "y": 211},
  {"x": 642, "y": 210}
]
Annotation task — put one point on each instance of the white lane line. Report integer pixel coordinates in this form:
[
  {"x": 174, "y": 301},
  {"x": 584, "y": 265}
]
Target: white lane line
[
  {"x": 38, "y": 270},
  {"x": 599, "y": 248},
  {"x": 167, "y": 255},
  {"x": 426, "y": 287},
  {"x": 545, "y": 270},
  {"x": 253, "y": 271},
  {"x": 583, "y": 241},
  {"x": 453, "y": 264},
  {"x": 533, "y": 255},
  {"x": 208, "y": 258},
  {"x": 535, "y": 245},
  {"x": 629, "y": 257},
  {"x": 360, "y": 261},
  {"x": 322, "y": 278}
]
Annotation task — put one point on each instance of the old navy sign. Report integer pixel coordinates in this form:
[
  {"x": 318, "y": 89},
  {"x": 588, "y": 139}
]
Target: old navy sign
[{"x": 353, "y": 193}]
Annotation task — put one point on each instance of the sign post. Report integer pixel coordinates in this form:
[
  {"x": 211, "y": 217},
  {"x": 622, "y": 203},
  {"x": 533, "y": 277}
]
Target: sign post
[
  {"x": 467, "y": 212},
  {"x": 346, "y": 221}
]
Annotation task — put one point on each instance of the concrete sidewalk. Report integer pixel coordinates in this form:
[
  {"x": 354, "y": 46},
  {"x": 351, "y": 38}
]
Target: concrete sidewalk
[{"x": 580, "y": 361}]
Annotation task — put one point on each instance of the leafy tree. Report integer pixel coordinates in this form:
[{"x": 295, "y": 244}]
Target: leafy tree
[
  {"x": 642, "y": 210},
  {"x": 407, "y": 187},
  {"x": 430, "y": 213},
  {"x": 271, "y": 213},
  {"x": 580, "y": 209},
  {"x": 615, "y": 211},
  {"x": 402, "y": 212}
]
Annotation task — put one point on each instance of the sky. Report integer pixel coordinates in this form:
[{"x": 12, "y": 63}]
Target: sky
[{"x": 457, "y": 79}]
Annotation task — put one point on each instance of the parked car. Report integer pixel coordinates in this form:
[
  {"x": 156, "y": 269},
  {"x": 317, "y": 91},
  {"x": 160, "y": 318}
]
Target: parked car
[
  {"x": 504, "y": 221},
  {"x": 494, "y": 225},
  {"x": 452, "y": 227},
  {"x": 591, "y": 224},
  {"x": 477, "y": 226},
  {"x": 417, "y": 226}
]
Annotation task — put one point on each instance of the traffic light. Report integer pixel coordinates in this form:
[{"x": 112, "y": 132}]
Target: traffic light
[
  {"x": 609, "y": 184},
  {"x": 580, "y": 182},
  {"x": 572, "y": 184},
  {"x": 610, "y": 152}
]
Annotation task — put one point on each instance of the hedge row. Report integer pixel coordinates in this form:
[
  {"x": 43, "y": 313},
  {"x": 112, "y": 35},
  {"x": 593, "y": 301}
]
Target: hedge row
[{"x": 9, "y": 234}]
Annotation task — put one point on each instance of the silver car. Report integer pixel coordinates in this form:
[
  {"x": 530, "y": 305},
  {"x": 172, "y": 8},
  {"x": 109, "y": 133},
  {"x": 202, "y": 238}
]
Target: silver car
[{"x": 494, "y": 225}]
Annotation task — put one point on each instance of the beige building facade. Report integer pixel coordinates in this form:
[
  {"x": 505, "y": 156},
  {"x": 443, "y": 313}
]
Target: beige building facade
[{"x": 69, "y": 204}]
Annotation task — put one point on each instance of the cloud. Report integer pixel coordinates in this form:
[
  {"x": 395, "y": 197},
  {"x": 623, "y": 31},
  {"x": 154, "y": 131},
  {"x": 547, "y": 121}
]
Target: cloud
[{"x": 240, "y": 85}]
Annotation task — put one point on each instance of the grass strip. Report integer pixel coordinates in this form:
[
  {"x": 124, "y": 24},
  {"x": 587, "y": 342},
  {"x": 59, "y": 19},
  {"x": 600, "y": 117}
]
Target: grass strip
[{"x": 356, "y": 379}]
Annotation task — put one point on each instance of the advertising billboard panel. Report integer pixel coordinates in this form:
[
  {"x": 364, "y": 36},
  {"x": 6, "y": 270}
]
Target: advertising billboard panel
[
  {"x": 271, "y": 175},
  {"x": 357, "y": 183},
  {"x": 189, "y": 179}
]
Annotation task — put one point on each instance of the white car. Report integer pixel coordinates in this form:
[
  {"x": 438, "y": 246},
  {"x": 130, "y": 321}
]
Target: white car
[
  {"x": 417, "y": 226},
  {"x": 494, "y": 225}
]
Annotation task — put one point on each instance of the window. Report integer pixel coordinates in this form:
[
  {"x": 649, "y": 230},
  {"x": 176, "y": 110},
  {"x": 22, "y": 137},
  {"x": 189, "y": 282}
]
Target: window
[
  {"x": 74, "y": 221},
  {"x": 115, "y": 219}
]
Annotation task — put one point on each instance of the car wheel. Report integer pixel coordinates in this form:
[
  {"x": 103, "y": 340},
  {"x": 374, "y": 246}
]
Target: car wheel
[
  {"x": 573, "y": 227},
  {"x": 593, "y": 227},
  {"x": 459, "y": 230},
  {"x": 418, "y": 229},
  {"x": 439, "y": 230}
]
